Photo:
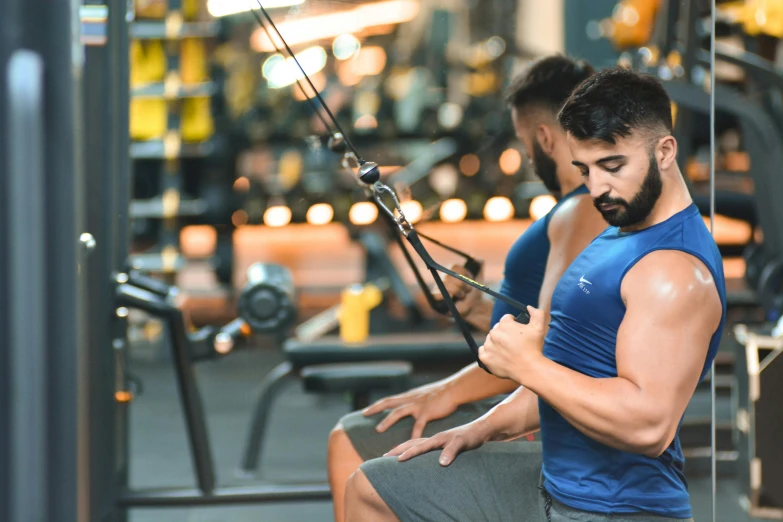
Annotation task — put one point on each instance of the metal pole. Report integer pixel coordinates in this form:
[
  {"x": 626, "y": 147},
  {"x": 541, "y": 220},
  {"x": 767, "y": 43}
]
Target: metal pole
[
  {"x": 103, "y": 162},
  {"x": 9, "y": 24},
  {"x": 44, "y": 29},
  {"x": 27, "y": 284},
  {"x": 713, "y": 463},
  {"x": 119, "y": 18},
  {"x": 48, "y": 30}
]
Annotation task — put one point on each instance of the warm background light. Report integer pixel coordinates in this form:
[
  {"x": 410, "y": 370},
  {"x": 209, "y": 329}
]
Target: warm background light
[
  {"x": 320, "y": 214},
  {"x": 218, "y": 8},
  {"x": 368, "y": 121},
  {"x": 412, "y": 210},
  {"x": 453, "y": 210},
  {"x": 329, "y": 25},
  {"x": 469, "y": 164},
  {"x": 198, "y": 240},
  {"x": 239, "y": 218},
  {"x": 510, "y": 161},
  {"x": 498, "y": 209},
  {"x": 345, "y": 46},
  {"x": 363, "y": 213},
  {"x": 444, "y": 179},
  {"x": 541, "y": 205},
  {"x": 277, "y": 216},
  {"x": 319, "y": 80},
  {"x": 242, "y": 184},
  {"x": 282, "y": 72},
  {"x": 369, "y": 61}
]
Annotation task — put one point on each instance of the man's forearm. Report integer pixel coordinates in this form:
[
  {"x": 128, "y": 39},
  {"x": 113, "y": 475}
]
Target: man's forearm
[
  {"x": 515, "y": 417},
  {"x": 474, "y": 384},
  {"x": 612, "y": 411}
]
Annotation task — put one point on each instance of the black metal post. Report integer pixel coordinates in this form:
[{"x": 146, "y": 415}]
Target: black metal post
[
  {"x": 27, "y": 286},
  {"x": 101, "y": 156},
  {"x": 44, "y": 29},
  {"x": 8, "y": 36},
  {"x": 118, "y": 44}
]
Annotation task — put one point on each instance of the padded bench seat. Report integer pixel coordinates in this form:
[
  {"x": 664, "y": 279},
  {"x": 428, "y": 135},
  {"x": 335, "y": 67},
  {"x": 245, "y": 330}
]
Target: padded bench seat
[
  {"x": 448, "y": 348},
  {"x": 359, "y": 379}
]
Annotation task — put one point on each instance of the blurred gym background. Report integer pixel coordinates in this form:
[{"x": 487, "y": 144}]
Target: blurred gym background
[{"x": 247, "y": 231}]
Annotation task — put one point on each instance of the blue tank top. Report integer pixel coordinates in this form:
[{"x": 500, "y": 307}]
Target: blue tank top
[
  {"x": 586, "y": 313},
  {"x": 525, "y": 265}
]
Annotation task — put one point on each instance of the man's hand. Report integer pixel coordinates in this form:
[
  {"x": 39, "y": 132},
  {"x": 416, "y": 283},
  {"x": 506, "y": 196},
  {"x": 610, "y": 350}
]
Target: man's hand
[
  {"x": 510, "y": 345},
  {"x": 424, "y": 404},
  {"x": 453, "y": 441}
]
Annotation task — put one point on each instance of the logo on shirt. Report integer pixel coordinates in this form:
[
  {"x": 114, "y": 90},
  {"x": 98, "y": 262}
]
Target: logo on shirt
[{"x": 583, "y": 284}]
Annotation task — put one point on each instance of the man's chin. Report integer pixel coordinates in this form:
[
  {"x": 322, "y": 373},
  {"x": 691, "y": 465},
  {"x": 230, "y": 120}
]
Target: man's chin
[{"x": 615, "y": 218}]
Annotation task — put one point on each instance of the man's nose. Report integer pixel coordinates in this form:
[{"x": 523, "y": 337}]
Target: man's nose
[{"x": 597, "y": 184}]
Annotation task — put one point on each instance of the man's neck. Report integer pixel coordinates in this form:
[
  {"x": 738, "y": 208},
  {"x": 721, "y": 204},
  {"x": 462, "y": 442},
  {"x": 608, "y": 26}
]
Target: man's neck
[
  {"x": 569, "y": 184},
  {"x": 569, "y": 177}
]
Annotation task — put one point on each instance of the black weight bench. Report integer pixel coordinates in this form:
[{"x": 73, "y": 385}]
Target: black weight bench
[
  {"x": 357, "y": 379},
  {"x": 445, "y": 350}
]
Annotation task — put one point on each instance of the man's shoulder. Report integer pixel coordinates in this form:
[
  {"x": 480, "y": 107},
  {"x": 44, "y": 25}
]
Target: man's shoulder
[
  {"x": 671, "y": 276},
  {"x": 574, "y": 215}
]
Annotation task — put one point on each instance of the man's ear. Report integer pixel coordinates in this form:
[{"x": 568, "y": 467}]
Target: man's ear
[
  {"x": 546, "y": 138},
  {"x": 666, "y": 152}
]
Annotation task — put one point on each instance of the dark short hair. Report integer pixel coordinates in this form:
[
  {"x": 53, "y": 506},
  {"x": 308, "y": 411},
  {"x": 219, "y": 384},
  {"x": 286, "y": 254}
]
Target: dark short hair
[
  {"x": 547, "y": 83},
  {"x": 615, "y": 103}
]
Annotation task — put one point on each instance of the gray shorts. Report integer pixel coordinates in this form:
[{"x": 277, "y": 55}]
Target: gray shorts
[
  {"x": 370, "y": 444},
  {"x": 499, "y": 482}
]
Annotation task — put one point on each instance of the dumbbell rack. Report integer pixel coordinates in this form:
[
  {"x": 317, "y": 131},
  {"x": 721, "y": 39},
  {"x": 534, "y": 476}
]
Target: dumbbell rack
[{"x": 169, "y": 206}]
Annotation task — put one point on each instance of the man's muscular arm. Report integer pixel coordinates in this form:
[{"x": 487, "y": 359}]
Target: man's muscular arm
[{"x": 672, "y": 311}]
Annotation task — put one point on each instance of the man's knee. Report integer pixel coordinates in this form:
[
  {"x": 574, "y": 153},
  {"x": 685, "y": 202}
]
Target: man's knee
[
  {"x": 360, "y": 496},
  {"x": 338, "y": 439}
]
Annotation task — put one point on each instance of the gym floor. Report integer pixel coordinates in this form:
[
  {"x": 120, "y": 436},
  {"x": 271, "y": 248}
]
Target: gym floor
[{"x": 295, "y": 446}]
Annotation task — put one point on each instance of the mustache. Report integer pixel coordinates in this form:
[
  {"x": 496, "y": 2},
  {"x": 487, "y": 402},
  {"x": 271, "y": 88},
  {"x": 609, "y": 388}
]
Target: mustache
[{"x": 604, "y": 199}]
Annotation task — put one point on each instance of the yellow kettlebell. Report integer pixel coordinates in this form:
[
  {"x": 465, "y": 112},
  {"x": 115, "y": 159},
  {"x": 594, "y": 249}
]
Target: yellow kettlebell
[{"x": 356, "y": 302}]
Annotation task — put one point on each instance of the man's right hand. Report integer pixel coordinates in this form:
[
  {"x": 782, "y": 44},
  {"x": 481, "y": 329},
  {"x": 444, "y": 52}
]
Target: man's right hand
[
  {"x": 454, "y": 441},
  {"x": 424, "y": 404}
]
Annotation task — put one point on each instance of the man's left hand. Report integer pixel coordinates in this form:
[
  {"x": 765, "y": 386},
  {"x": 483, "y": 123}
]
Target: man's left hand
[{"x": 511, "y": 346}]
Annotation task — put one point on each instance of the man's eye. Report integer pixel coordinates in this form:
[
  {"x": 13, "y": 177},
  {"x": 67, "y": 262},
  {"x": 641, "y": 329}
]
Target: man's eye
[
  {"x": 613, "y": 169},
  {"x": 585, "y": 172}
]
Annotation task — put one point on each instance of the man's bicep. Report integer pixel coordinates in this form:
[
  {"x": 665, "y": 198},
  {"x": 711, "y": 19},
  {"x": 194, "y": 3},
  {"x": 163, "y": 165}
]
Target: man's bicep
[{"x": 672, "y": 311}]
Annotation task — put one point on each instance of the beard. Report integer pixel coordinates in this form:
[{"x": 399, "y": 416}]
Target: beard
[
  {"x": 627, "y": 214},
  {"x": 546, "y": 168}
]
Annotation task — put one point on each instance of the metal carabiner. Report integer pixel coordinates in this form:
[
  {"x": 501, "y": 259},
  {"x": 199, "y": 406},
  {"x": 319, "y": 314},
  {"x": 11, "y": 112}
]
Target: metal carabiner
[{"x": 400, "y": 220}]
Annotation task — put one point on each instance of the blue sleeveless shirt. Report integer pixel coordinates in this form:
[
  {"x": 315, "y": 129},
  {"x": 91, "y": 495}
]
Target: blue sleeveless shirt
[
  {"x": 525, "y": 265},
  {"x": 586, "y": 313}
]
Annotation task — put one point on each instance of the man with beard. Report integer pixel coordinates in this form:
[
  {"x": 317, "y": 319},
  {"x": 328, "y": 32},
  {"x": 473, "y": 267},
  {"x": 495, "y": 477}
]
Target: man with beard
[
  {"x": 635, "y": 324},
  {"x": 533, "y": 266}
]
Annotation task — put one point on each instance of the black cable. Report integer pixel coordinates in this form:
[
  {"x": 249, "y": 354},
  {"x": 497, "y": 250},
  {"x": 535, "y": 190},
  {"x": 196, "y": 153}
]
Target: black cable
[
  {"x": 301, "y": 87},
  {"x": 410, "y": 234},
  {"x": 317, "y": 94}
]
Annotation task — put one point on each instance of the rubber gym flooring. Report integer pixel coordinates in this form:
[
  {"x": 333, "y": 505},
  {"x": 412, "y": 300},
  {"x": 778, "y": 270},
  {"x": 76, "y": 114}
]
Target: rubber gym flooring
[{"x": 295, "y": 446}]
